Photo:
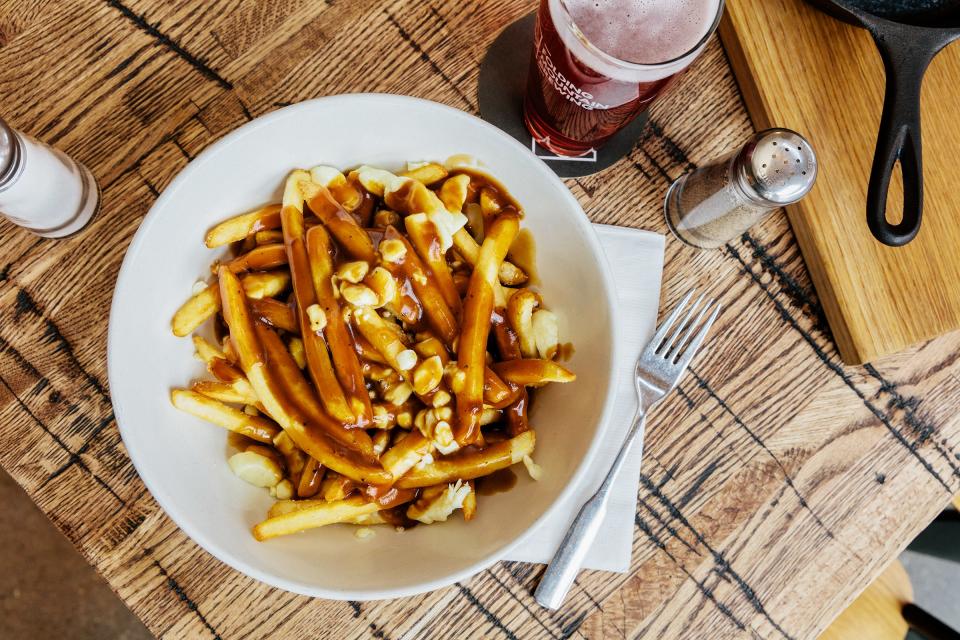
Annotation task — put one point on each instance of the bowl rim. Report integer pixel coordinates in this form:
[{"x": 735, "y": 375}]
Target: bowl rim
[{"x": 238, "y": 563}]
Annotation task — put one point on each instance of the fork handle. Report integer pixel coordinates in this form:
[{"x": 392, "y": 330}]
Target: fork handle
[{"x": 566, "y": 562}]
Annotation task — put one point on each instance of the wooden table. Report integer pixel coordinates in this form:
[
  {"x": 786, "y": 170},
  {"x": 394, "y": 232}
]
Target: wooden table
[{"x": 776, "y": 482}]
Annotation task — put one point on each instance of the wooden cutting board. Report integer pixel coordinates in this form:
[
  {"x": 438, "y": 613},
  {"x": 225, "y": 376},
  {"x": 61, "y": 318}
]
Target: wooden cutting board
[{"x": 801, "y": 69}]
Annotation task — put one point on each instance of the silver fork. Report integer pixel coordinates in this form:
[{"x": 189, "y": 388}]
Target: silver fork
[{"x": 659, "y": 369}]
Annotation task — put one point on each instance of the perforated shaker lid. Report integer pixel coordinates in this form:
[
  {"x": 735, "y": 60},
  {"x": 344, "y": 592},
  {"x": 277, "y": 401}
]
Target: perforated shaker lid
[
  {"x": 779, "y": 165},
  {"x": 9, "y": 154}
]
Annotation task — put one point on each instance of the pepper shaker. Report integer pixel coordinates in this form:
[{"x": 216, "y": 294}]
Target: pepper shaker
[
  {"x": 43, "y": 189},
  {"x": 719, "y": 201}
]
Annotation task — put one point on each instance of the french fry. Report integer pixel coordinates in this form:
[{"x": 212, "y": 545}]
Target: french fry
[
  {"x": 470, "y": 464},
  {"x": 318, "y": 358},
  {"x": 411, "y": 196},
  {"x": 276, "y": 314},
  {"x": 346, "y": 192},
  {"x": 317, "y": 515},
  {"x": 341, "y": 224},
  {"x": 281, "y": 507},
  {"x": 217, "y": 413},
  {"x": 204, "y": 349},
  {"x": 453, "y": 192},
  {"x": 508, "y": 344},
  {"x": 386, "y": 340},
  {"x": 428, "y": 173},
  {"x": 310, "y": 479},
  {"x": 262, "y": 258},
  {"x": 490, "y": 204},
  {"x": 336, "y": 487},
  {"x": 509, "y": 273},
  {"x": 297, "y": 351},
  {"x": 516, "y": 413},
  {"x": 239, "y": 227},
  {"x": 302, "y": 395},
  {"x": 225, "y": 391},
  {"x": 224, "y": 370},
  {"x": 265, "y": 284},
  {"x": 345, "y": 360},
  {"x": 471, "y": 356},
  {"x": 237, "y": 316},
  {"x": 533, "y": 372},
  {"x": 520, "y": 310},
  {"x": 366, "y": 351},
  {"x": 294, "y": 457},
  {"x": 497, "y": 393},
  {"x": 195, "y": 311},
  {"x": 268, "y": 390},
  {"x": 423, "y": 234},
  {"x": 229, "y": 353},
  {"x": 425, "y": 286},
  {"x": 268, "y": 237}
]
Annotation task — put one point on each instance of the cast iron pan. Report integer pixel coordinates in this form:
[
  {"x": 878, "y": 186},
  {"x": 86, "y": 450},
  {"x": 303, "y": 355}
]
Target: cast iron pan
[{"x": 909, "y": 33}]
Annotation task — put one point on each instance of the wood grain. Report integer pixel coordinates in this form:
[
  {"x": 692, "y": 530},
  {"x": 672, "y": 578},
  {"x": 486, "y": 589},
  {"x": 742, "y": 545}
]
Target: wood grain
[
  {"x": 777, "y": 481},
  {"x": 806, "y": 71}
]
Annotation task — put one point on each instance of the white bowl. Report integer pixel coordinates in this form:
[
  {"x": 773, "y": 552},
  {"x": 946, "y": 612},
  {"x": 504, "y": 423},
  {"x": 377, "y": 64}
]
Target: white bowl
[{"x": 182, "y": 460}]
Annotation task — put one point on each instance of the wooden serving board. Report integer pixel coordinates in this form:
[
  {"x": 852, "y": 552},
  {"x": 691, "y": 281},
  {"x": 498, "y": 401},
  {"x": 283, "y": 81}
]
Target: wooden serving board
[{"x": 801, "y": 69}]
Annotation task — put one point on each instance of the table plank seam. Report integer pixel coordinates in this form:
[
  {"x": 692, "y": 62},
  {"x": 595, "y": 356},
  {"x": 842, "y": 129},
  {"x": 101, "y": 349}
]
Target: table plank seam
[
  {"x": 723, "y": 566},
  {"x": 838, "y": 370},
  {"x": 526, "y": 607},
  {"x": 909, "y": 404},
  {"x": 61, "y": 443},
  {"x": 425, "y": 57},
  {"x": 669, "y": 528},
  {"x": 706, "y": 592},
  {"x": 52, "y": 334},
  {"x": 674, "y": 150},
  {"x": 174, "y": 586},
  {"x": 800, "y": 296},
  {"x": 763, "y": 445},
  {"x": 490, "y": 617},
  {"x": 194, "y": 61}
]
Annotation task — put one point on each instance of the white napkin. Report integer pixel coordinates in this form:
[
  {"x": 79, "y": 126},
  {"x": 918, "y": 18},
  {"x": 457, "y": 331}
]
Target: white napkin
[{"x": 636, "y": 258}]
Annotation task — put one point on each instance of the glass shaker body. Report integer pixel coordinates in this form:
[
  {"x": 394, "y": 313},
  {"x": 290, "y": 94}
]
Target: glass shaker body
[
  {"x": 42, "y": 189},
  {"x": 721, "y": 200}
]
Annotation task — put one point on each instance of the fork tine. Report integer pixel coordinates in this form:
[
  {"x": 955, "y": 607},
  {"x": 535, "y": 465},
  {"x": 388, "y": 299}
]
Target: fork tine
[
  {"x": 690, "y": 327},
  {"x": 666, "y": 324},
  {"x": 698, "y": 339},
  {"x": 680, "y": 327}
]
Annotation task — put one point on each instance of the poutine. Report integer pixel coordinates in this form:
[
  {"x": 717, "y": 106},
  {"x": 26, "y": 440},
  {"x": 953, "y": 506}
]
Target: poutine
[{"x": 379, "y": 349}]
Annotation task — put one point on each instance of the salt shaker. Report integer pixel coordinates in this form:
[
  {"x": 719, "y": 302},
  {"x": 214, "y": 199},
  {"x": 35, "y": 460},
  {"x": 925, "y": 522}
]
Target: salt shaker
[
  {"x": 43, "y": 189},
  {"x": 719, "y": 201}
]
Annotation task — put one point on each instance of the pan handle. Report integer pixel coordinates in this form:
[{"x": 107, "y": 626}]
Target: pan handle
[{"x": 905, "y": 59}]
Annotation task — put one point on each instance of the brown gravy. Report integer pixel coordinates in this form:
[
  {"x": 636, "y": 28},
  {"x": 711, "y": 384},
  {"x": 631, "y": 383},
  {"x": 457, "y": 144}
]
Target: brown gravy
[{"x": 497, "y": 482}]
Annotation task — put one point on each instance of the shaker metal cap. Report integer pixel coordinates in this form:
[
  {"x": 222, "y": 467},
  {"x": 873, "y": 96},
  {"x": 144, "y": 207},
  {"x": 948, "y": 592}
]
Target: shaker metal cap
[
  {"x": 779, "y": 165},
  {"x": 9, "y": 154}
]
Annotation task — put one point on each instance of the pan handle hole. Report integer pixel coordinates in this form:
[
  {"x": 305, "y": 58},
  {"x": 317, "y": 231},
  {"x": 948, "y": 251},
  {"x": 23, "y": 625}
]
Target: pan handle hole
[{"x": 894, "y": 211}]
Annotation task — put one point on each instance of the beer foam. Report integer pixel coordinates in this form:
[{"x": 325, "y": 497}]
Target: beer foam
[{"x": 661, "y": 33}]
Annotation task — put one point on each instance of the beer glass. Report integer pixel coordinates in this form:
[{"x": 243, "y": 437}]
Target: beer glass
[{"x": 597, "y": 64}]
